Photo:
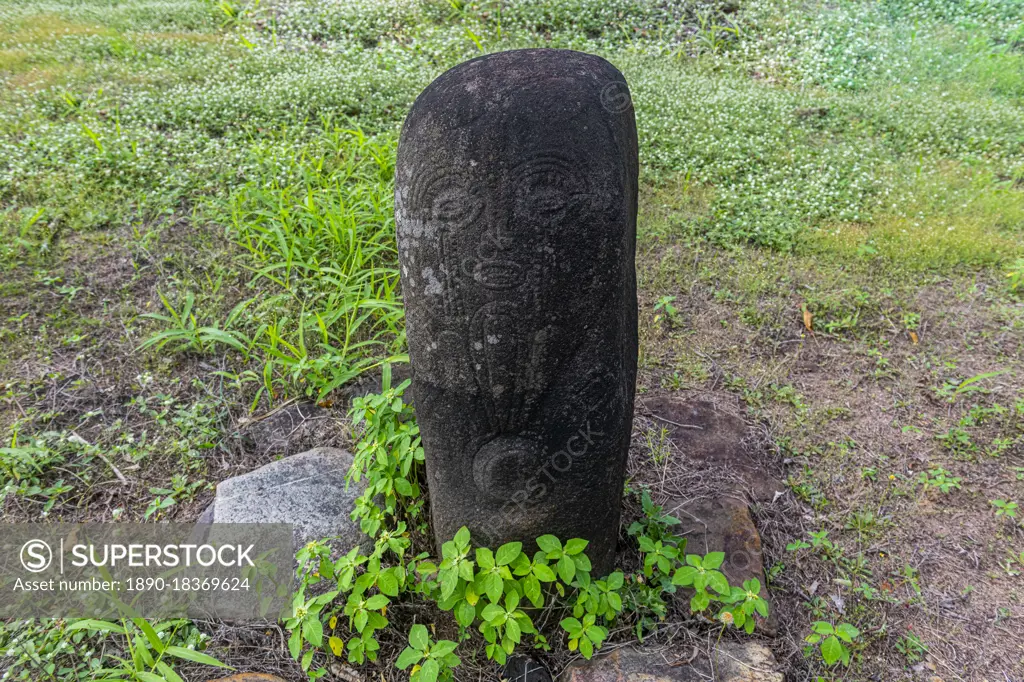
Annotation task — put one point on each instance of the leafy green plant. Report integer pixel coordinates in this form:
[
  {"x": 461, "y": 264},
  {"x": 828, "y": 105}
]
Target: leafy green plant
[
  {"x": 388, "y": 455},
  {"x": 585, "y": 636},
  {"x": 655, "y": 523},
  {"x": 1006, "y": 508},
  {"x": 834, "y": 641},
  {"x": 503, "y": 626},
  {"x": 481, "y": 587},
  {"x": 668, "y": 312},
  {"x": 938, "y": 478},
  {"x": 661, "y": 549},
  {"x": 567, "y": 559},
  {"x": 24, "y": 468},
  {"x": 493, "y": 569},
  {"x": 865, "y": 522},
  {"x": 820, "y": 542},
  {"x": 657, "y": 554},
  {"x": 646, "y": 597},
  {"x": 366, "y": 616},
  {"x": 21, "y": 461},
  {"x": 306, "y": 625},
  {"x": 702, "y": 573},
  {"x": 430, "y": 661},
  {"x": 368, "y": 585},
  {"x": 180, "y": 490},
  {"x": 158, "y": 503},
  {"x": 958, "y": 441},
  {"x": 455, "y": 565},
  {"x": 503, "y": 577},
  {"x": 742, "y": 603},
  {"x": 600, "y": 597},
  {"x": 533, "y": 574}
]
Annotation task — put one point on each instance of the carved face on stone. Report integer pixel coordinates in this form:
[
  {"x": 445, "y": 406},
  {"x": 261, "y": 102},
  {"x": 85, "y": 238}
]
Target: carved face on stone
[{"x": 516, "y": 210}]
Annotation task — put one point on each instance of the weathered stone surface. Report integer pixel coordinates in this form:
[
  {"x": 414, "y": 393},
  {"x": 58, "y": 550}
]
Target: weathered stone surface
[
  {"x": 724, "y": 525},
  {"x": 716, "y": 439},
  {"x": 287, "y": 430},
  {"x": 306, "y": 490},
  {"x": 747, "y": 661},
  {"x": 515, "y": 203}
]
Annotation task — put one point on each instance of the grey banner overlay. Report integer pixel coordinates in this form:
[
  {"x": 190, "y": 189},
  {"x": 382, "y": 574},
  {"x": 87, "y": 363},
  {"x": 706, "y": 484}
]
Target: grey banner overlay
[{"x": 116, "y": 570}]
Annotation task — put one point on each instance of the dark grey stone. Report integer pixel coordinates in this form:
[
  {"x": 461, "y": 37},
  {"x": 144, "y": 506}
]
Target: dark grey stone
[
  {"x": 306, "y": 490},
  {"x": 742, "y": 661},
  {"x": 289, "y": 430},
  {"x": 515, "y": 202},
  {"x": 521, "y": 668},
  {"x": 206, "y": 517}
]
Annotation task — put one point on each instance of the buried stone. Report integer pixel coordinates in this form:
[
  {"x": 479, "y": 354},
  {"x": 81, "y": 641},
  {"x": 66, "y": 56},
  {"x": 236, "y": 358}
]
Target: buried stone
[{"x": 515, "y": 204}]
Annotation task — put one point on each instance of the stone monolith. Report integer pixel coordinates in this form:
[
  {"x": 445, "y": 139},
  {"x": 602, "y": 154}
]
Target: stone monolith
[{"x": 515, "y": 203}]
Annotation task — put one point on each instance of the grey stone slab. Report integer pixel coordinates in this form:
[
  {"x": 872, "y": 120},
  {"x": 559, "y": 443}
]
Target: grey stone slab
[
  {"x": 744, "y": 661},
  {"x": 306, "y": 490}
]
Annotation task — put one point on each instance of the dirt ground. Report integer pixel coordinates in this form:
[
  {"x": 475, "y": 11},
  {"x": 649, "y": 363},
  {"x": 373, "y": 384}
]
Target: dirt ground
[{"x": 856, "y": 417}]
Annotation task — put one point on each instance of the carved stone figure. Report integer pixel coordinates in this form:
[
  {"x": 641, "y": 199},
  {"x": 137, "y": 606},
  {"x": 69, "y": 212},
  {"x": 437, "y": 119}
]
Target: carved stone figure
[{"x": 515, "y": 203}]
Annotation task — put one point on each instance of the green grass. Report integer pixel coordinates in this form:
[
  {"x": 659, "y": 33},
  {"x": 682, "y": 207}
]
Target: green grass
[
  {"x": 324, "y": 258},
  {"x": 807, "y": 119},
  {"x": 850, "y": 131}
]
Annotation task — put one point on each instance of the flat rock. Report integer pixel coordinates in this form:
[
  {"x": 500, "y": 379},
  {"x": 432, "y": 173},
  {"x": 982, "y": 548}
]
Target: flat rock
[
  {"x": 306, "y": 490},
  {"x": 746, "y": 661},
  {"x": 724, "y": 525},
  {"x": 717, "y": 439},
  {"x": 290, "y": 429}
]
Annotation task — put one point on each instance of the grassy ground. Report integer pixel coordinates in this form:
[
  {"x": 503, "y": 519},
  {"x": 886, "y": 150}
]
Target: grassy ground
[{"x": 196, "y": 228}]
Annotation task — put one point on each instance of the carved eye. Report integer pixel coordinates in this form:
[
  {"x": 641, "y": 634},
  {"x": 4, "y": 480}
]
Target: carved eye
[
  {"x": 550, "y": 198},
  {"x": 546, "y": 190},
  {"x": 448, "y": 207},
  {"x": 449, "y": 199}
]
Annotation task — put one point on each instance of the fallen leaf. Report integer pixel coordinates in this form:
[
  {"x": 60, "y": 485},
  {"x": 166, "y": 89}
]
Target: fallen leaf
[
  {"x": 913, "y": 338},
  {"x": 808, "y": 320}
]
